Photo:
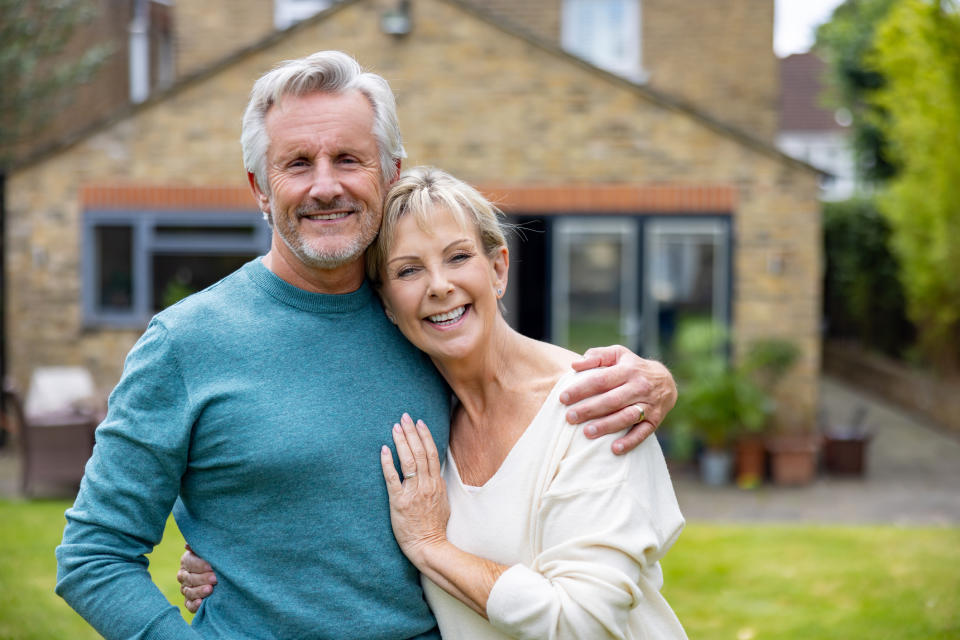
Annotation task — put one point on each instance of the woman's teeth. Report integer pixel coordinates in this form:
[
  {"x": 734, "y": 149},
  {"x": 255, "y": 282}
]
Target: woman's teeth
[{"x": 449, "y": 317}]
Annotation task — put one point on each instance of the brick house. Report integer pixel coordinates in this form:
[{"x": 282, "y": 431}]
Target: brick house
[{"x": 641, "y": 208}]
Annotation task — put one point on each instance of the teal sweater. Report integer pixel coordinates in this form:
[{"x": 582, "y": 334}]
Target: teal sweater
[{"x": 255, "y": 411}]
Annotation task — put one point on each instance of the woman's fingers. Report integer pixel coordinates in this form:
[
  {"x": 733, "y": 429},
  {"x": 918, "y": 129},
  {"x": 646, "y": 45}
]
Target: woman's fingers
[
  {"x": 433, "y": 456},
  {"x": 408, "y": 464},
  {"x": 389, "y": 470},
  {"x": 415, "y": 443},
  {"x": 191, "y": 563}
]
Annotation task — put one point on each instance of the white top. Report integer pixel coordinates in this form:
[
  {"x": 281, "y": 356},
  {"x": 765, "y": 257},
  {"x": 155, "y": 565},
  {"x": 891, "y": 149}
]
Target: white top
[{"x": 581, "y": 529}]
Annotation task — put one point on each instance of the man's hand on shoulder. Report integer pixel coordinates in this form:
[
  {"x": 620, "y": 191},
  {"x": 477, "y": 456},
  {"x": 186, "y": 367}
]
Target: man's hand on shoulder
[{"x": 624, "y": 390}]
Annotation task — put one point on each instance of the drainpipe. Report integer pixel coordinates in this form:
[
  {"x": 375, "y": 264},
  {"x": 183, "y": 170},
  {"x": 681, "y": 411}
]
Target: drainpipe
[{"x": 140, "y": 51}]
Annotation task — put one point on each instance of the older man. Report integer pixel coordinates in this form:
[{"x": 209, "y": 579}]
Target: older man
[{"x": 255, "y": 409}]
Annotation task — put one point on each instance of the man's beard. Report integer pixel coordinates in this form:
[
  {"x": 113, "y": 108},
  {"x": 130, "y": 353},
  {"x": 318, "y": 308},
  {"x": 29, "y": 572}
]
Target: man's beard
[{"x": 327, "y": 258}]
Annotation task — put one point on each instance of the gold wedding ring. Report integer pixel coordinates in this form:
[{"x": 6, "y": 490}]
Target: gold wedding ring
[
  {"x": 642, "y": 416},
  {"x": 413, "y": 474}
]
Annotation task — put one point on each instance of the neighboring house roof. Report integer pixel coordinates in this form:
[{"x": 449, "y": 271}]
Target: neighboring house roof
[
  {"x": 801, "y": 86},
  {"x": 657, "y": 97}
]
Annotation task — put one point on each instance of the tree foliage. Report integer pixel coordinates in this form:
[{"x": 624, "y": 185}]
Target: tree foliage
[
  {"x": 34, "y": 78},
  {"x": 917, "y": 49},
  {"x": 845, "y": 43},
  {"x": 863, "y": 297}
]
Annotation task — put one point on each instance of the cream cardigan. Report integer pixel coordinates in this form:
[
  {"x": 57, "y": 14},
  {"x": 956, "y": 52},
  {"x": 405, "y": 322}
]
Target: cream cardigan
[{"x": 583, "y": 531}]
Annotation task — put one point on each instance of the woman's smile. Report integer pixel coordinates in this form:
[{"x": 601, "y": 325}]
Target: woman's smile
[
  {"x": 440, "y": 286},
  {"x": 450, "y": 318}
]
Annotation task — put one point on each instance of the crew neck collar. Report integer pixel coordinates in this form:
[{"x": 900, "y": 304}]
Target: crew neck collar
[{"x": 288, "y": 294}]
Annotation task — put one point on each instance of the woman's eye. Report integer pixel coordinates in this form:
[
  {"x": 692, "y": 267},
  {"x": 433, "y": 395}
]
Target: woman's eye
[
  {"x": 460, "y": 256},
  {"x": 405, "y": 271}
]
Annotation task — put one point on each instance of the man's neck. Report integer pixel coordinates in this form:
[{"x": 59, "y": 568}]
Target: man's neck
[{"x": 344, "y": 279}]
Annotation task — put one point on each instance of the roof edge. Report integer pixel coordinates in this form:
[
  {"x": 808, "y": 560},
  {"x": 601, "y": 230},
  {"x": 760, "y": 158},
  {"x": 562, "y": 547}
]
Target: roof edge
[
  {"x": 660, "y": 98},
  {"x": 130, "y": 109},
  {"x": 664, "y": 100}
]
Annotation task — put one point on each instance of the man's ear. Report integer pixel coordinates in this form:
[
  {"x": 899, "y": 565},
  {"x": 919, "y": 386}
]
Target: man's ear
[
  {"x": 263, "y": 200},
  {"x": 397, "y": 175}
]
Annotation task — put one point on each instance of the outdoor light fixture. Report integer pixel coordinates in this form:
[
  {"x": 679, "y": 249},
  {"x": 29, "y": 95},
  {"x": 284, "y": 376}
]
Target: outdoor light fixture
[{"x": 397, "y": 22}]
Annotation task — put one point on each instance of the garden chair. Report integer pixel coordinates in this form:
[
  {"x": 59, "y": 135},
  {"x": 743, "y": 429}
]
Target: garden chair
[{"x": 55, "y": 443}]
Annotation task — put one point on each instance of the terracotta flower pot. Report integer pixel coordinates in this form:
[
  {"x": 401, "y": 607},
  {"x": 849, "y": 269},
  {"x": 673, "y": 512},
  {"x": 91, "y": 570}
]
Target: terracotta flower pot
[
  {"x": 793, "y": 458},
  {"x": 751, "y": 462}
]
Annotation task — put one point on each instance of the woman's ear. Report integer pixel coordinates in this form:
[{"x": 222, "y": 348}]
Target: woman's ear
[
  {"x": 392, "y": 318},
  {"x": 501, "y": 269}
]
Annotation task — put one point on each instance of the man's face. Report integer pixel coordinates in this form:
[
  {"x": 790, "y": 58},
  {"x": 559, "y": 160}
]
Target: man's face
[{"x": 323, "y": 170}]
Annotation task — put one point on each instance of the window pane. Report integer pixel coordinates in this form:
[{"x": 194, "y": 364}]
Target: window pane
[
  {"x": 213, "y": 231},
  {"x": 595, "y": 283},
  {"x": 604, "y": 32},
  {"x": 686, "y": 278},
  {"x": 595, "y": 291},
  {"x": 177, "y": 276},
  {"x": 114, "y": 255}
]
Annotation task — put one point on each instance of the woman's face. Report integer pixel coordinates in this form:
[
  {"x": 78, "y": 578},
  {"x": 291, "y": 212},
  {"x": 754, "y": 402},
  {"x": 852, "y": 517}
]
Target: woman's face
[{"x": 441, "y": 288}]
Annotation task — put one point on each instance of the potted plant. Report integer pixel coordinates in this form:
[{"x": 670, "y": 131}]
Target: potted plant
[
  {"x": 717, "y": 402},
  {"x": 766, "y": 362}
]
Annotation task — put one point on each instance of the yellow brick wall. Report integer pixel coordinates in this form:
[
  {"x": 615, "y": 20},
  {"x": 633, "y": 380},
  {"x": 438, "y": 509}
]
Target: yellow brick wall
[
  {"x": 207, "y": 30},
  {"x": 716, "y": 55},
  {"x": 489, "y": 107}
]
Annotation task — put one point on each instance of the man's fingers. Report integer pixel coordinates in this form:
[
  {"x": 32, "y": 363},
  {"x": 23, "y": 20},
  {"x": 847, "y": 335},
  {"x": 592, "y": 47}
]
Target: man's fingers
[
  {"x": 599, "y": 381},
  {"x": 637, "y": 434},
  {"x": 599, "y": 357},
  {"x": 192, "y": 605}
]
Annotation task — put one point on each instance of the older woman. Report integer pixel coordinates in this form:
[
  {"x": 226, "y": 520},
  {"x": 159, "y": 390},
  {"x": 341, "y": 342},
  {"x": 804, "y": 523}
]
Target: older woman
[{"x": 529, "y": 529}]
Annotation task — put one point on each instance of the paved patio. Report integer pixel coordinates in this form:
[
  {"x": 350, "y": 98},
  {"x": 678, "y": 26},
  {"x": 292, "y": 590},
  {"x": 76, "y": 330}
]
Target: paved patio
[{"x": 912, "y": 478}]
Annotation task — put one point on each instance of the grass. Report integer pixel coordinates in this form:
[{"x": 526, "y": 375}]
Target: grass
[
  {"x": 29, "y": 609},
  {"x": 726, "y": 582}
]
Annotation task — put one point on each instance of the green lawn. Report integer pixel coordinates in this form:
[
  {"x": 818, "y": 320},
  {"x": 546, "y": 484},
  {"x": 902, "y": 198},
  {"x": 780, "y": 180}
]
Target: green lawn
[{"x": 724, "y": 582}]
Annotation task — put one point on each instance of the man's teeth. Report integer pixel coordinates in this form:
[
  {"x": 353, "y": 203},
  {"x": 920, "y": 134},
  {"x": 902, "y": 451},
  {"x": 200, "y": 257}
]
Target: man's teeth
[
  {"x": 329, "y": 216},
  {"x": 449, "y": 317}
]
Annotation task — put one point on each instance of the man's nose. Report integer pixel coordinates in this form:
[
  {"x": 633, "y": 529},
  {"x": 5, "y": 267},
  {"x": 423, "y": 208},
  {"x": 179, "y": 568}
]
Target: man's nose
[{"x": 325, "y": 185}]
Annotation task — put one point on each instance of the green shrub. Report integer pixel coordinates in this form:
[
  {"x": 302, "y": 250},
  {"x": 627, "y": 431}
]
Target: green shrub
[{"x": 863, "y": 297}]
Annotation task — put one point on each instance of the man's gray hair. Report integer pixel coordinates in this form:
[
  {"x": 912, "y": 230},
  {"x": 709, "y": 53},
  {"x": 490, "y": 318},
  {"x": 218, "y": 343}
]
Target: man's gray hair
[{"x": 325, "y": 71}]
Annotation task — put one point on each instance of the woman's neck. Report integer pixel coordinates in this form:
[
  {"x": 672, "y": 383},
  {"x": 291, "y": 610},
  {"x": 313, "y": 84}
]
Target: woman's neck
[{"x": 482, "y": 376}]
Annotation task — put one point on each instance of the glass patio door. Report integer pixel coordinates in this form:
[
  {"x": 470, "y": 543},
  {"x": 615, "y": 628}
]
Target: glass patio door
[
  {"x": 595, "y": 288},
  {"x": 687, "y": 266}
]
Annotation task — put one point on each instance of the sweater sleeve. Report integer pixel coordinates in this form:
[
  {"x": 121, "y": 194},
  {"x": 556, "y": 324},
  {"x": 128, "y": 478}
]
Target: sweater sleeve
[
  {"x": 127, "y": 493},
  {"x": 603, "y": 524}
]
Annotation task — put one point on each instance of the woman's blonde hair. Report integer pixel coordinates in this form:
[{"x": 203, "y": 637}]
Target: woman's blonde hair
[{"x": 421, "y": 190}]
